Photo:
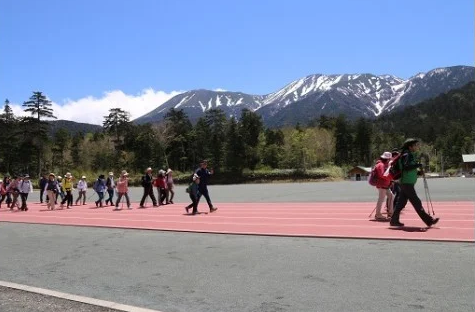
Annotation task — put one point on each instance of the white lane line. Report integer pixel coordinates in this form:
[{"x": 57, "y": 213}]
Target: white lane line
[{"x": 81, "y": 299}]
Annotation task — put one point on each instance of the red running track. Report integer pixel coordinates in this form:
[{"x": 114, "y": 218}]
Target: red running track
[{"x": 344, "y": 220}]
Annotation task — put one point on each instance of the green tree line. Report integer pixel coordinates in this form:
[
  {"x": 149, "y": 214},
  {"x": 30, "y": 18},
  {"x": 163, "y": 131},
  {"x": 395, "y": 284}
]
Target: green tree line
[{"x": 445, "y": 124}]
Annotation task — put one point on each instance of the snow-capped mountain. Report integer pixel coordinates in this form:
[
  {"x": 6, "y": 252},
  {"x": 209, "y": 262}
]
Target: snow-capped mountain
[
  {"x": 196, "y": 102},
  {"x": 305, "y": 99}
]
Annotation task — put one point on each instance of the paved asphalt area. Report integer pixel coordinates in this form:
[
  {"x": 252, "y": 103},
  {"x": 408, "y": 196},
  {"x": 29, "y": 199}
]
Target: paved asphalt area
[
  {"x": 12, "y": 300},
  {"x": 203, "y": 272}
]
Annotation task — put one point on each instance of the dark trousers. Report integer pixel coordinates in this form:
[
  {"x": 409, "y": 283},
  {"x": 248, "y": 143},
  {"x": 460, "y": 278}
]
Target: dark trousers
[
  {"x": 148, "y": 191},
  {"x": 194, "y": 203},
  {"x": 24, "y": 198},
  {"x": 396, "y": 189},
  {"x": 119, "y": 198},
  {"x": 42, "y": 191},
  {"x": 409, "y": 193},
  {"x": 2, "y": 198},
  {"x": 162, "y": 195},
  {"x": 204, "y": 192},
  {"x": 68, "y": 198},
  {"x": 111, "y": 196},
  {"x": 101, "y": 197}
]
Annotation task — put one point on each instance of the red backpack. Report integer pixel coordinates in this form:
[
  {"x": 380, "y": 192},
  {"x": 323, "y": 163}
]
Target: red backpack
[{"x": 373, "y": 177}]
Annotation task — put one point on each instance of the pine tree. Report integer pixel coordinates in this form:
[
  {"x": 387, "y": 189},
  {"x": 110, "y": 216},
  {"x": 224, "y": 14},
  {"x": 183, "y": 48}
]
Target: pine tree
[
  {"x": 234, "y": 160},
  {"x": 250, "y": 127},
  {"x": 215, "y": 120},
  {"x": 8, "y": 116},
  {"x": 40, "y": 107},
  {"x": 116, "y": 124}
]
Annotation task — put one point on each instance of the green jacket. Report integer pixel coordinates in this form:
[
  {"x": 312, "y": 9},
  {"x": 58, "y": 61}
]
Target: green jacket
[{"x": 408, "y": 165}]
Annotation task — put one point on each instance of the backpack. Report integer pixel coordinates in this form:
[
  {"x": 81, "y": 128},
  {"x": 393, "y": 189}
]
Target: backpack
[
  {"x": 394, "y": 171},
  {"x": 373, "y": 177},
  {"x": 96, "y": 186}
]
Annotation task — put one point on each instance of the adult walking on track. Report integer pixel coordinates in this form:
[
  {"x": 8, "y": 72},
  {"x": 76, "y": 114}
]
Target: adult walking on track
[
  {"x": 82, "y": 188},
  {"x": 382, "y": 185},
  {"x": 42, "y": 184},
  {"x": 203, "y": 173},
  {"x": 110, "y": 183},
  {"x": 68, "y": 187},
  {"x": 147, "y": 184},
  {"x": 52, "y": 190},
  {"x": 123, "y": 190},
  {"x": 409, "y": 167},
  {"x": 170, "y": 186}
]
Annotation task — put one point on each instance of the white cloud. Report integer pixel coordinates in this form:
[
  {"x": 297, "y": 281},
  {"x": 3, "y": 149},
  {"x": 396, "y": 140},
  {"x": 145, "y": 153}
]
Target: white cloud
[{"x": 92, "y": 110}]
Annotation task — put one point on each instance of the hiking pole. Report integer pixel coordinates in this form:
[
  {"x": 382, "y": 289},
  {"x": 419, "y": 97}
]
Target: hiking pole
[
  {"x": 426, "y": 189},
  {"x": 89, "y": 198},
  {"x": 372, "y": 212}
]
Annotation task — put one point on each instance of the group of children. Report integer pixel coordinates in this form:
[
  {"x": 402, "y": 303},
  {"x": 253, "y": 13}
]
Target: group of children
[{"x": 394, "y": 176}]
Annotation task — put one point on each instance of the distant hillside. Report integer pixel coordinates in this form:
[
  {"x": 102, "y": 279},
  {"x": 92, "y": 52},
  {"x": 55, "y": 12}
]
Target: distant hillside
[
  {"x": 435, "y": 119},
  {"x": 73, "y": 127}
]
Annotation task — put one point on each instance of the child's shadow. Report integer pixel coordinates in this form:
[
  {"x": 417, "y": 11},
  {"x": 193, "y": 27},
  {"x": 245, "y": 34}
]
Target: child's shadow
[{"x": 409, "y": 229}]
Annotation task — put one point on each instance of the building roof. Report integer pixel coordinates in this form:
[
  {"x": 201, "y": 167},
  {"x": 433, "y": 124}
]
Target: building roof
[
  {"x": 366, "y": 169},
  {"x": 468, "y": 158}
]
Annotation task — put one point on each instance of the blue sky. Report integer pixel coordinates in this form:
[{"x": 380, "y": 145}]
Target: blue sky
[{"x": 87, "y": 50}]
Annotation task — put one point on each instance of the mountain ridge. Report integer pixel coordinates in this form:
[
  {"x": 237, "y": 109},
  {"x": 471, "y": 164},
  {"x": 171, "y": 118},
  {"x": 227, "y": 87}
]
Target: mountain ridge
[{"x": 356, "y": 95}]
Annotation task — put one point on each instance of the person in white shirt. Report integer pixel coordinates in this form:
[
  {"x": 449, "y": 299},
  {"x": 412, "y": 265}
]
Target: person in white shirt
[
  {"x": 82, "y": 188},
  {"x": 25, "y": 187}
]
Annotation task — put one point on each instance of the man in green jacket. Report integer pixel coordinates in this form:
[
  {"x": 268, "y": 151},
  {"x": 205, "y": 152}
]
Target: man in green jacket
[{"x": 409, "y": 167}]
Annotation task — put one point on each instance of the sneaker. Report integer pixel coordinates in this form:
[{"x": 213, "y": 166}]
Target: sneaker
[
  {"x": 129, "y": 207},
  {"x": 97, "y": 204},
  {"x": 69, "y": 207},
  {"x": 171, "y": 202},
  {"x": 187, "y": 209},
  {"x": 156, "y": 205},
  {"x": 379, "y": 217},
  {"x": 396, "y": 223},
  {"x": 434, "y": 222},
  {"x": 213, "y": 209},
  {"x": 141, "y": 206}
]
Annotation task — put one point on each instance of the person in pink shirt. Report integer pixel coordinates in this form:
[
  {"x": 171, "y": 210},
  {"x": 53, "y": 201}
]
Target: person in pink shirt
[
  {"x": 123, "y": 189},
  {"x": 382, "y": 185}
]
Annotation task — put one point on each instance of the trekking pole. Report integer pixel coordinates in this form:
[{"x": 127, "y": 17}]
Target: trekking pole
[
  {"x": 89, "y": 198},
  {"x": 428, "y": 199},
  {"x": 372, "y": 212}
]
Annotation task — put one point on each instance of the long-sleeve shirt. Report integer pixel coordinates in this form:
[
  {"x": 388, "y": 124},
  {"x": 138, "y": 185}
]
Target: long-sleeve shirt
[
  {"x": 123, "y": 185},
  {"x": 25, "y": 187},
  {"x": 408, "y": 163},
  {"x": 82, "y": 185},
  {"x": 52, "y": 186},
  {"x": 382, "y": 182},
  {"x": 110, "y": 183},
  {"x": 203, "y": 174}
]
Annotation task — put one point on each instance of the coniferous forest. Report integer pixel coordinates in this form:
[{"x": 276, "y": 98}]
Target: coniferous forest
[{"x": 445, "y": 125}]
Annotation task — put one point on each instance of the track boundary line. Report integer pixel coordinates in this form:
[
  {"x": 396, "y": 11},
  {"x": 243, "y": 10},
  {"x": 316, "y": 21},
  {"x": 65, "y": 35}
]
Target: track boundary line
[
  {"x": 329, "y": 236},
  {"x": 76, "y": 298}
]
